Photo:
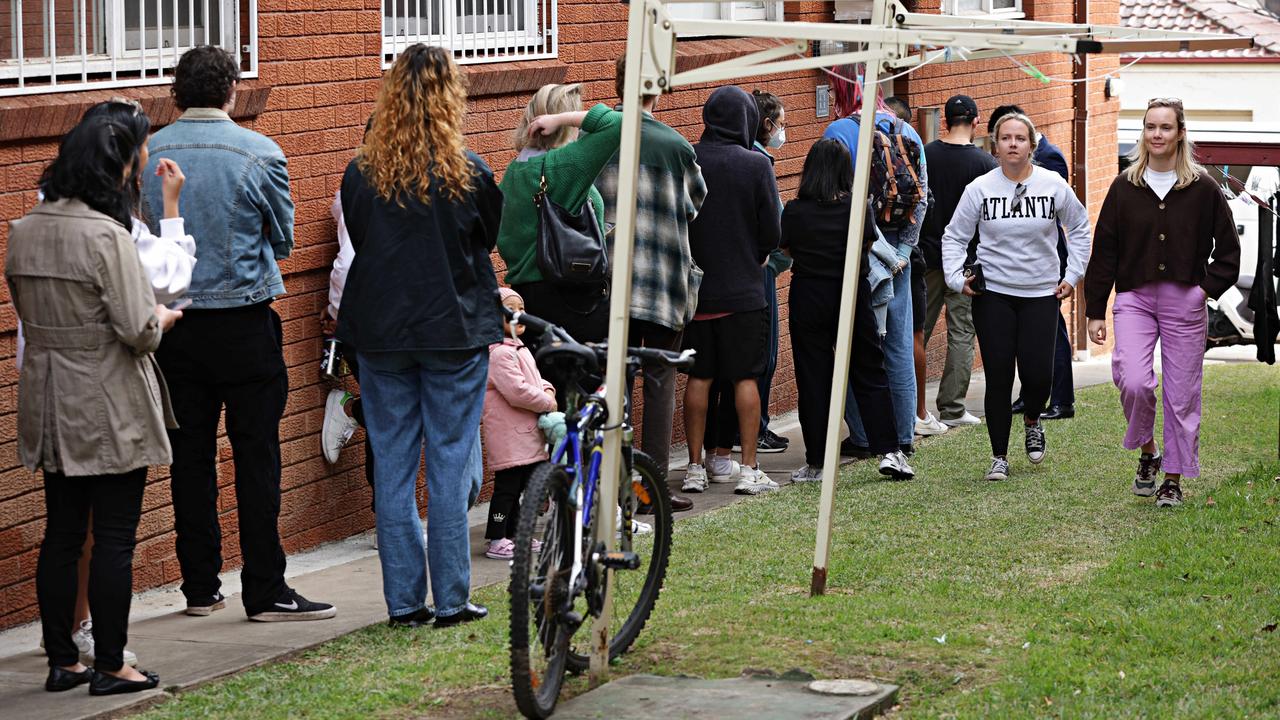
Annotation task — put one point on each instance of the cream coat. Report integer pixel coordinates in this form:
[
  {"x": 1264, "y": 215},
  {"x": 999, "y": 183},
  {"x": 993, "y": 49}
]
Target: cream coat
[{"x": 91, "y": 399}]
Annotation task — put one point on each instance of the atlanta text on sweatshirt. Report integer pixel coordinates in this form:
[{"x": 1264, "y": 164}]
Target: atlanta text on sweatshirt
[{"x": 1018, "y": 224}]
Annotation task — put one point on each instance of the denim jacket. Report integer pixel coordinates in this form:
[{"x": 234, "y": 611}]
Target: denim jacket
[
  {"x": 236, "y": 204},
  {"x": 881, "y": 259}
]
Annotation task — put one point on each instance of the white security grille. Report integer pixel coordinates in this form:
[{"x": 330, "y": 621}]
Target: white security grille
[
  {"x": 61, "y": 45},
  {"x": 477, "y": 31}
]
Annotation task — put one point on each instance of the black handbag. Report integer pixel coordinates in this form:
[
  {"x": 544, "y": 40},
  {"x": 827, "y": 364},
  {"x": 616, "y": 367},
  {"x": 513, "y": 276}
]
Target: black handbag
[{"x": 571, "y": 249}]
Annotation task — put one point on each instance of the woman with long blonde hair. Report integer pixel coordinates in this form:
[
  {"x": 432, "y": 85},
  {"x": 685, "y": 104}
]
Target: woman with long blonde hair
[
  {"x": 421, "y": 308},
  {"x": 1166, "y": 242},
  {"x": 547, "y": 140}
]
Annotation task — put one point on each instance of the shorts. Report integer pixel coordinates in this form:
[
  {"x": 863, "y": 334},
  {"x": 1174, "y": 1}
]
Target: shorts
[
  {"x": 919, "y": 294},
  {"x": 730, "y": 348}
]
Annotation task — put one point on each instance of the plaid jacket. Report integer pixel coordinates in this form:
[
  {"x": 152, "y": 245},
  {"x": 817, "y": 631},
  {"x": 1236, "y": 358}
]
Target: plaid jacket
[{"x": 664, "y": 280}]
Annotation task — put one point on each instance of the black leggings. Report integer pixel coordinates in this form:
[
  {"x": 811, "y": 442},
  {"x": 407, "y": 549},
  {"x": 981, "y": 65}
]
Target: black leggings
[
  {"x": 1014, "y": 331},
  {"x": 504, "y": 506},
  {"x": 814, "y": 314},
  {"x": 116, "y": 502}
]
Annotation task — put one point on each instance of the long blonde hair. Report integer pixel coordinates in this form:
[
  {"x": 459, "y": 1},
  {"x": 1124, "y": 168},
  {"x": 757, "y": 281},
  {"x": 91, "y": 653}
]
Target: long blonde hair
[
  {"x": 549, "y": 100},
  {"x": 1184, "y": 163},
  {"x": 415, "y": 135}
]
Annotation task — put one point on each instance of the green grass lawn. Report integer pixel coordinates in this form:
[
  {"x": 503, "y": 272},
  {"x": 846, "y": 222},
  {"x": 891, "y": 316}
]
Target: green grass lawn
[{"x": 1057, "y": 593}]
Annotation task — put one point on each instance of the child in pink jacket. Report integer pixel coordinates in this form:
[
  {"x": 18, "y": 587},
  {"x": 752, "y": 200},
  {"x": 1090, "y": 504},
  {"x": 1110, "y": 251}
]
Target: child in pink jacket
[{"x": 514, "y": 397}]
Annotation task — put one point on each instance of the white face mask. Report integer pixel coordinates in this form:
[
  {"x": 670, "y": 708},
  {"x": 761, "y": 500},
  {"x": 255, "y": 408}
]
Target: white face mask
[{"x": 776, "y": 139}]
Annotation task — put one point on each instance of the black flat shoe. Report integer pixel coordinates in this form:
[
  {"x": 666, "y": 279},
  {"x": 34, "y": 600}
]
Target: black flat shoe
[
  {"x": 104, "y": 684},
  {"x": 1017, "y": 406},
  {"x": 413, "y": 619},
  {"x": 680, "y": 503},
  {"x": 1059, "y": 412},
  {"x": 60, "y": 679},
  {"x": 468, "y": 613}
]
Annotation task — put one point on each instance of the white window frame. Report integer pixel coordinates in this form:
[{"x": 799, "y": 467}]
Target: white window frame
[
  {"x": 987, "y": 7},
  {"x": 772, "y": 11},
  {"x": 116, "y": 66},
  {"x": 537, "y": 40}
]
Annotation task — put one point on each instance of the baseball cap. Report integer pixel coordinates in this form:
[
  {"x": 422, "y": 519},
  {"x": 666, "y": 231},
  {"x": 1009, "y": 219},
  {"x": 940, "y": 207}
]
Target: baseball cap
[{"x": 960, "y": 107}]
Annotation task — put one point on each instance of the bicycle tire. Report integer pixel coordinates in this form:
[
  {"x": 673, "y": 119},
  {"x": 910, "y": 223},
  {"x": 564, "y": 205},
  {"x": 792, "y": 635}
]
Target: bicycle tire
[
  {"x": 654, "y": 482},
  {"x": 537, "y": 690}
]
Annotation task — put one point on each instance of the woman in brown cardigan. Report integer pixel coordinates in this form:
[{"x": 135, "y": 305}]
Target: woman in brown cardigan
[
  {"x": 92, "y": 407},
  {"x": 1166, "y": 241}
]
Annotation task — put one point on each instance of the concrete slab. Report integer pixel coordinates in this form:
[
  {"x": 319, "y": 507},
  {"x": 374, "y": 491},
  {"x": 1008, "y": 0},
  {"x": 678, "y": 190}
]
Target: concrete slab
[{"x": 641, "y": 697}]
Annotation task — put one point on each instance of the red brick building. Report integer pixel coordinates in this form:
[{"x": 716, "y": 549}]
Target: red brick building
[{"x": 313, "y": 69}]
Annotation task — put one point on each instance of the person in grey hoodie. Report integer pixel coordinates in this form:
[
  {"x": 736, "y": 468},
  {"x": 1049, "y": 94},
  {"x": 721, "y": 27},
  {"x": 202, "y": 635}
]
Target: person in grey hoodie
[
  {"x": 1017, "y": 208},
  {"x": 736, "y": 229}
]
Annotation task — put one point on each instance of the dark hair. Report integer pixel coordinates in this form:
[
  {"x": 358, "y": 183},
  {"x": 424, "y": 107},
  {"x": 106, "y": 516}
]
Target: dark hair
[
  {"x": 900, "y": 107},
  {"x": 204, "y": 78},
  {"x": 828, "y": 172},
  {"x": 94, "y": 158},
  {"x": 769, "y": 107},
  {"x": 620, "y": 79},
  {"x": 999, "y": 113}
]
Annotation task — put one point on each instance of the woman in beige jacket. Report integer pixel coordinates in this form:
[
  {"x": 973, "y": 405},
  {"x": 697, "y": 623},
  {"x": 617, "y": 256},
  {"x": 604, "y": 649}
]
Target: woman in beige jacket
[{"x": 92, "y": 406}]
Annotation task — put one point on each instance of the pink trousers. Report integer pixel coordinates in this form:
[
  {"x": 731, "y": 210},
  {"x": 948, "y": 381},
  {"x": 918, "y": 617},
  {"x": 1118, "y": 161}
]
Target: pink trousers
[{"x": 1173, "y": 314}]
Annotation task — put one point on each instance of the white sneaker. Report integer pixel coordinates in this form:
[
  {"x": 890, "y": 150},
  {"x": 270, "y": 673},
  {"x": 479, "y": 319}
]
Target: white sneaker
[
  {"x": 83, "y": 638},
  {"x": 724, "y": 469},
  {"x": 807, "y": 473},
  {"x": 929, "y": 425},
  {"x": 894, "y": 465},
  {"x": 637, "y": 527},
  {"x": 753, "y": 482},
  {"x": 338, "y": 427},
  {"x": 695, "y": 479},
  {"x": 967, "y": 418}
]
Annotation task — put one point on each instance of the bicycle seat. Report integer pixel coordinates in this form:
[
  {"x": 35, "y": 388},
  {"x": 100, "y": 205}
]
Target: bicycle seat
[{"x": 568, "y": 361}]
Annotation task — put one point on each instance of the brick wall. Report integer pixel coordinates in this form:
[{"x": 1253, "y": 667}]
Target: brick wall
[{"x": 320, "y": 73}]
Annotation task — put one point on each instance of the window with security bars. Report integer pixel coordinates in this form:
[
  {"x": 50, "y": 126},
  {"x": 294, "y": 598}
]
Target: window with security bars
[
  {"x": 759, "y": 10},
  {"x": 477, "y": 31},
  {"x": 982, "y": 7},
  {"x": 59, "y": 45}
]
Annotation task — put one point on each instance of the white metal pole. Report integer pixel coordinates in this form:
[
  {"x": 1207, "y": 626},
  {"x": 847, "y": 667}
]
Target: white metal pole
[
  {"x": 619, "y": 320},
  {"x": 848, "y": 299}
]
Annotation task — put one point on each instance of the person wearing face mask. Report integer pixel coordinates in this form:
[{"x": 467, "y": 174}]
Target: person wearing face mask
[
  {"x": 1017, "y": 208},
  {"x": 1166, "y": 242}
]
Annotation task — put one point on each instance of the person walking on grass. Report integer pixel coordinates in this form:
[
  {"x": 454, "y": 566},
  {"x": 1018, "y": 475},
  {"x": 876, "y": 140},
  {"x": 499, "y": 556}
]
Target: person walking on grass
[
  {"x": 421, "y": 308},
  {"x": 815, "y": 233},
  {"x": 1016, "y": 209},
  {"x": 737, "y": 228},
  {"x": 956, "y": 162},
  {"x": 1166, "y": 242}
]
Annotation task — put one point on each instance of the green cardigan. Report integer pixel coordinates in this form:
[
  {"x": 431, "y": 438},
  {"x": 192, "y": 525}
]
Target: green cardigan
[{"x": 570, "y": 172}]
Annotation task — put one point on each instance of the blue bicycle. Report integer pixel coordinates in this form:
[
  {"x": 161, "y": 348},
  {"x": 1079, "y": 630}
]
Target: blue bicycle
[{"x": 558, "y": 570}]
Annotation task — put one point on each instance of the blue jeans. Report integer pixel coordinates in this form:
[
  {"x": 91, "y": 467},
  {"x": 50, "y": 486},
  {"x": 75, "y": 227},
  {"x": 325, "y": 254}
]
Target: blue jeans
[
  {"x": 411, "y": 398},
  {"x": 765, "y": 381},
  {"x": 899, "y": 362}
]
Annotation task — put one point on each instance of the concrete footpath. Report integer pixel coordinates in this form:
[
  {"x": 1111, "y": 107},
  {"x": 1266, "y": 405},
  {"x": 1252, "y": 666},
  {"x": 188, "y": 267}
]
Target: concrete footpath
[{"x": 188, "y": 651}]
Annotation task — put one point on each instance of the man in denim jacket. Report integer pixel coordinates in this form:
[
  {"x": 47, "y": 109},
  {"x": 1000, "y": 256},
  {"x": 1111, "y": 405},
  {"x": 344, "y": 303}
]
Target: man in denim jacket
[{"x": 230, "y": 354}]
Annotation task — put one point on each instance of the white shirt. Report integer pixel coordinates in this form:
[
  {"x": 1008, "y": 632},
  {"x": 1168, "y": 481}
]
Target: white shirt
[
  {"x": 1160, "y": 182},
  {"x": 341, "y": 263}
]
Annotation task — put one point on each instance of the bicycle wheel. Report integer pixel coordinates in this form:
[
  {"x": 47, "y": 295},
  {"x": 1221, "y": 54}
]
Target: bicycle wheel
[
  {"x": 636, "y": 591},
  {"x": 539, "y": 584}
]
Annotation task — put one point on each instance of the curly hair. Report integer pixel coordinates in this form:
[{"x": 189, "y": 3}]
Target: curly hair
[
  {"x": 204, "y": 78},
  {"x": 415, "y": 138}
]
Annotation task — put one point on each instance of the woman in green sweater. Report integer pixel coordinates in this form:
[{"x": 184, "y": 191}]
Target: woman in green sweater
[{"x": 546, "y": 140}]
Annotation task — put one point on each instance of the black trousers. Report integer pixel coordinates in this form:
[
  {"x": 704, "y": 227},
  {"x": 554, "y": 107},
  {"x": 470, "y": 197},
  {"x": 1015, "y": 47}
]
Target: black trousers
[
  {"x": 1063, "y": 392},
  {"x": 231, "y": 358},
  {"x": 814, "y": 314},
  {"x": 1014, "y": 332},
  {"x": 504, "y": 506},
  {"x": 582, "y": 311},
  {"x": 116, "y": 505}
]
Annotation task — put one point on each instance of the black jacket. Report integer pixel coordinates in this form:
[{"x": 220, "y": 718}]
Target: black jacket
[
  {"x": 738, "y": 225},
  {"x": 421, "y": 278}
]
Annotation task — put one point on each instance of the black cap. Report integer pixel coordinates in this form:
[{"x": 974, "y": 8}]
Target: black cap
[{"x": 960, "y": 107}]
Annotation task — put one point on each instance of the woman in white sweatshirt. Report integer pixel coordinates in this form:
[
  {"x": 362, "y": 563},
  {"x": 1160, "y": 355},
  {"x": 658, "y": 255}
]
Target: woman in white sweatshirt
[{"x": 1016, "y": 210}]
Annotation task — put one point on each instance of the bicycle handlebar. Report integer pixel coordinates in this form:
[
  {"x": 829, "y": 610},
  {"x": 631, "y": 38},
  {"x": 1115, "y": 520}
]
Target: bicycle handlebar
[{"x": 682, "y": 360}]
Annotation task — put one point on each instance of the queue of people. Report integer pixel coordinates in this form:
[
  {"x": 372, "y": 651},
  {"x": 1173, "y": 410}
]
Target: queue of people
[{"x": 185, "y": 326}]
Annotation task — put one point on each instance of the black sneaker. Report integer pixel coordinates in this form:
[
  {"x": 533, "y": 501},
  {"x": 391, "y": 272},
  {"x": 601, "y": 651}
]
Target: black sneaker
[
  {"x": 1036, "y": 444},
  {"x": 202, "y": 606},
  {"x": 468, "y": 613},
  {"x": 292, "y": 606},
  {"x": 769, "y": 442},
  {"x": 1144, "y": 482},
  {"x": 858, "y": 452},
  {"x": 999, "y": 469},
  {"x": 1169, "y": 494},
  {"x": 418, "y": 618}
]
